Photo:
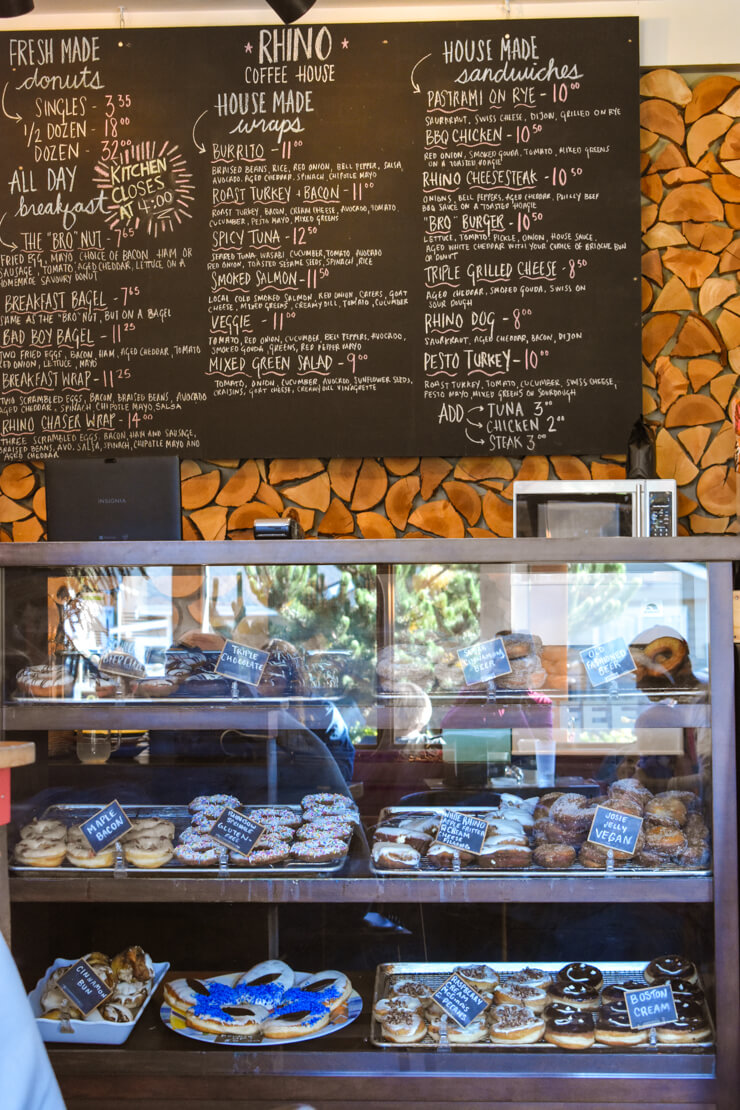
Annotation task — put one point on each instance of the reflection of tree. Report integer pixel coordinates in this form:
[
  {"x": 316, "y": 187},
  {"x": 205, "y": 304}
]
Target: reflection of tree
[
  {"x": 597, "y": 594},
  {"x": 323, "y": 610}
]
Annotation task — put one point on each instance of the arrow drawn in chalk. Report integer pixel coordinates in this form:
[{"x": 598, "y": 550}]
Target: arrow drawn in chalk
[
  {"x": 199, "y": 146},
  {"x": 414, "y": 86}
]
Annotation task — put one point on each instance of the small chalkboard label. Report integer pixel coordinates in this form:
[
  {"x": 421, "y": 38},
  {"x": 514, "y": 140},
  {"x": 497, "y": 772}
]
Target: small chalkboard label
[
  {"x": 651, "y": 1006},
  {"x": 242, "y": 663},
  {"x": 483, "y": 661},
  {"x": 605, "y": 662},
  {"x": 105, "y": 827},
  {"x": 462, "y": 830},
  {"x": 235, "y": 830},
  {"x": 612, "y": 829},
  {"x": 460, "y": 1001},
  {"x": 83, "y": 988}
]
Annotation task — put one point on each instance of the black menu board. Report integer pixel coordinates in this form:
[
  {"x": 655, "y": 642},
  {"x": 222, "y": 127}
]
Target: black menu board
[{"x": 341, "y": 240}]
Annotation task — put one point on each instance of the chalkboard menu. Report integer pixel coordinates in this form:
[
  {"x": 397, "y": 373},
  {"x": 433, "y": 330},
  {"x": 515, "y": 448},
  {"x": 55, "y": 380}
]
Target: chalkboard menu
[{"x": 335, "y": 240}]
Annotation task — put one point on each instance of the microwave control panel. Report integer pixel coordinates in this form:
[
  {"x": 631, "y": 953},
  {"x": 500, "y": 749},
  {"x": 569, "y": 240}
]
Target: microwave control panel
[{"x": 660, "y": 513}]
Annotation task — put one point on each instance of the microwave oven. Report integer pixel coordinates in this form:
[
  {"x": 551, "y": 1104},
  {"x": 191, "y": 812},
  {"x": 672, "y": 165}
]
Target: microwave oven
[{"x": 622, "y": 507}]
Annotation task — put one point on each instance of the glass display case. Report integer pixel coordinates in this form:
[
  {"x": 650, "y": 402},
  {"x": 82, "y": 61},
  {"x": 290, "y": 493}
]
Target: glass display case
[{"x": 483, "y": 757}]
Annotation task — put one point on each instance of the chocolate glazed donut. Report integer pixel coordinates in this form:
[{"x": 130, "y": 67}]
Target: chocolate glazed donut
[
  {"x": 567, "y": 1027},
  {"x": 584, "y": 974}
]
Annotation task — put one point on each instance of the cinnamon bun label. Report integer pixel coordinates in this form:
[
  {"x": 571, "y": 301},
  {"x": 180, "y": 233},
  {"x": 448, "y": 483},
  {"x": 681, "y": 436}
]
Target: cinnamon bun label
[
  {"x": 241, "y": 663},
  {"x": 461, "y": 830},
  {"x": 605, "y": 662},
  {"x": 460, "y": 1001},
  {"x": 612, "y": 829},
  {"x": 105, "y": 827},
  {"x": 650, "y": 1006},
  {"x": 83, "y": 988},
  {"x": 483, "y": 661},
  {"x": 236, "y": 831}
]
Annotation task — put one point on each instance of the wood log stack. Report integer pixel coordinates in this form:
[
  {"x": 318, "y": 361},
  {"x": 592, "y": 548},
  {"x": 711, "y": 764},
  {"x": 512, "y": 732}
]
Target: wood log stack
[{"x": 690, "y": 182}]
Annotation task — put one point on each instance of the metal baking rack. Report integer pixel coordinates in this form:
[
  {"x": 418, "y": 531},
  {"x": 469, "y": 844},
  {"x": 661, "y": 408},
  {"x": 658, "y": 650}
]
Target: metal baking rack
[
  {"x": 75, "y": 814},
  {"x": 434, "y": 975},
  {"x": 475, "y": 871}
]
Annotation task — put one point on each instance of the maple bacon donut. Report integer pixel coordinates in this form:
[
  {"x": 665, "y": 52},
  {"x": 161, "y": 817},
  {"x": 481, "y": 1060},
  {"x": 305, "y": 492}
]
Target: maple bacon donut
[{"x": 38, "y": 851}]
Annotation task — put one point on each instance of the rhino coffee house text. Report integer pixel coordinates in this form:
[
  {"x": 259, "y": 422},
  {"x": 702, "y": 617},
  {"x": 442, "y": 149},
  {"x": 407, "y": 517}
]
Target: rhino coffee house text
[{"x": 332, "y": 240}]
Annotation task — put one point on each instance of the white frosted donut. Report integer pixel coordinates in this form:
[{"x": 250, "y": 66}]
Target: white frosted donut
[
  {"x": 331, "y": 988},
  {"x": 289, "y": 1022},
  {"x": 268, "y": 973}
]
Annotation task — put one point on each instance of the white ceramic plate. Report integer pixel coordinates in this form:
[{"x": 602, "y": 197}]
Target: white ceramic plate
[{"x": 177, "y": 1023}]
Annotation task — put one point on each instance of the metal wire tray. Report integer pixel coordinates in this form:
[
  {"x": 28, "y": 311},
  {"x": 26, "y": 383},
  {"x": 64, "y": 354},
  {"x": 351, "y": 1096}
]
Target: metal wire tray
[
  {"x": 434, "y": 974},
  {"x": 75, "y": 814},
  {"x": 475, "y": 871}
]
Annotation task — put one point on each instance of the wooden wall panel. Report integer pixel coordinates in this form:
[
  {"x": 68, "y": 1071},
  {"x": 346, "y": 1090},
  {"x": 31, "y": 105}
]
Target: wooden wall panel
[{"x": 690, "y": 183}]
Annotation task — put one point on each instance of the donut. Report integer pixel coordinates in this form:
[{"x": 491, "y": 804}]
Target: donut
[
  {"x": 326, "y": 801},
  {"x": 568, "y": 1027},
  {"x": 596, "y": 856},
  {"x": 202, "y": 822},
  {"x": 504, "y": 856},
  {"x": 518, "y": 644},
  {"x": 324, "y": 849},
  {"x": 507, "y": 832},
  {"x": 263, "y": 856},
  {"x": 330, "y": 826},
  {"x": 550, "y": 832},
  {"x": 219, "y": 801},
  {"x": 199, "y": 852},
  {"x": 45, "y": 680},
  {"x": 37, "y": 851},
  {"x": 287, "y": 1022},
  {"x": 480, "y": 977},
  {"x": 443, "y": 857},
  {"x": 226, "y": 1019},
  {"x": 520, "y": 994},
  {"x": 515, "y": 1025},
  {"x": 156, "y": 688},
  {"x": 623, "y": 803},
  {"x": 578, "y": 995},
  {"x": 400, "y": 1003},
  {"x": 582, "y": 974},
  {"x": 331, "y": 988},
  {"x": 666, "y": 811},
  {"x": 531, "y": 977},
  {"x": 45, "y": 830},
  {"x": 152, "y": 826},
  {"x": 660, "y": 657},
  {"x": 148, "y": 851},
  {"x": 633, "y": 788},
  {"x": 663, "y": 838},
  {"x": 181, "y": 994},
  {"x": 554, "y": 857},
  {"x": 403, "y": 1027},
  {"x": 387, "y": 856},
  {"x": 80, "y": 854},
  {"x": 573, "y": 812},
  {"x": 268, "y": 973},
  {"x": 473, "y": 1033},
  {"x": 613, "y": 1028},
  {"x": 275, "y": 816},
  {"x": 693, "y": 856},
  {"x": 691, "y": 1025},
  {"x": 391, "y": 835},
  {"x": 414, "y": 988},
  {"x": 615, "y": 991},
  {"x": 670, "y": 967},
  {"x": 681, "y": 988}
]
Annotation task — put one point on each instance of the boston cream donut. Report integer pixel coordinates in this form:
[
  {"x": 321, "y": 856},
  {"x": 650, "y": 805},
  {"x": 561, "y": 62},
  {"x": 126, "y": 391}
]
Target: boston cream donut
[
  {"x": 578, "y": 995},
  {"x": 613, "y": 1027},
  {"x": 670, "y": 967},
  {"x": 587, "y": 974},
  {"x": 690, "y": 1027},
  {"x": 515, "y": 1025},
  {"x": 569, "y": 1028}
]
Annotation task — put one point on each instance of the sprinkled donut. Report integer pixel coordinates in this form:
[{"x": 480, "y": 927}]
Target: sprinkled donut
[
  {"x": 198, "y": 852},
  {"x": 204, "y": 801},
  {"x": 319, "y": 850},
  {"x": 261, "y": 857},
  {"x": 289, "y": 1022}
]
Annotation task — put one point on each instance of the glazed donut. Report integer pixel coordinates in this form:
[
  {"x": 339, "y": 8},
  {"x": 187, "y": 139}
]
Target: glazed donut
[
  {"x": 152, "y": 826},
  {"x": 613, "y": 1027},
  {"x": 148, "y": 851},
  {"x": 403, "y": 1027},
  {"x": 480, "y": 977},
  {"x": 398, "y": 1004},
  {"x": 520, "y": 994},
  {"x": 568, "y": 1027},
  {"x": 581, "y": 973},
  {"x": 519, "y": 644},
  {"x": 515, "y": 1025},
  {"x": 226, "y": 1019},
  {"x": 395, "y": 856},
  {"x": 45, "y": 830},
  {"x": 666, "y": 811},
  {"x": 45, "y": 680},
  {"x": 661, "y": 656},
  {"x": 670, "y": 967},
  {"x": 287, "y": 1022},
  {"x": 578, "y": 995},
  {"x": 504, "y": 856},
  {"x": 554, "y": 857},
  {"x": 443, "y": 857},
  {"x": 37, "y": 851},
  {"x": 198, "y": 852}
]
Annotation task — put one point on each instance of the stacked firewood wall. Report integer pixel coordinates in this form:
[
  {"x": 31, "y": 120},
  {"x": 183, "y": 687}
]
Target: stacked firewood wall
[{"x": 690, "y": 181}]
